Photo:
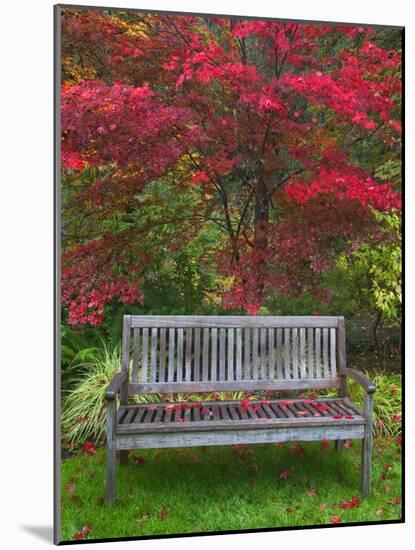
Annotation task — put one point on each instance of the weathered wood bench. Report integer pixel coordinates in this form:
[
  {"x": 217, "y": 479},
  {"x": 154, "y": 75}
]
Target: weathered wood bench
[{"x": 163, "y": 354}]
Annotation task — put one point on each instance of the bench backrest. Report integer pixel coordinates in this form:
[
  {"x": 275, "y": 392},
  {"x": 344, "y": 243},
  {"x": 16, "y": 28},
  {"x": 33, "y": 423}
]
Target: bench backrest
[{"x": 229, "y": 353}]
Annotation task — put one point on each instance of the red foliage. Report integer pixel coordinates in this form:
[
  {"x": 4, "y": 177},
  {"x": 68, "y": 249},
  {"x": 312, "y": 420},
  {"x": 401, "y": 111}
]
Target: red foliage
[{"x": 181, "y": 93}]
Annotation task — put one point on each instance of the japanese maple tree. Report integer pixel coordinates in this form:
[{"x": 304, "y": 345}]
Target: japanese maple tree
[{"x": 262, "y": 122}]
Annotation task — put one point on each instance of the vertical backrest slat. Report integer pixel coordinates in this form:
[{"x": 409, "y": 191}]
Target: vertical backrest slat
[
  {"x": 341, "y": 345},
  {"x": 279, "y": 353},
  {"x": 213, "y": 354},
  {"x": 247, "y": 353},
  {"x": 144, "y": 355},
  {"x": 136, "y": 342},
  {"x": 287, "y": 353},
  {"x": 205, "y": 365},
  {"x": 295, "y": 352},
  {"x": 255, "y": 354},
  {"x": 179, "y": 368},
  {"x": 238, "y": 373},
  {"x": 263, "y": 354},
  {"x": 310, "y": 352},
  {"x": 125, "y": 355},
  {"x": 302, "y": 354},
  {"x": 271, "y": 353},
  {"x": 172, "y": 338},
  {"x": 196, "y": 368},
  {"x": 333, "y": 352},
  {"x": 222, "y": 353},
  {"x": 162, "y": 365},
  {"x": 318, "y": 352},
  {"x": 153, "y": 365},
  {"x": 230, "y": 375},
  {"x": 188, "y": 358},
  {"x": 326, "y": 352}
]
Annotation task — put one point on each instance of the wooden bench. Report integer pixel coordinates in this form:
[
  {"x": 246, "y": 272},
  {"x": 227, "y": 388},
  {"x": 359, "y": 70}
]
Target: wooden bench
[{"x": 170, "y": 354}]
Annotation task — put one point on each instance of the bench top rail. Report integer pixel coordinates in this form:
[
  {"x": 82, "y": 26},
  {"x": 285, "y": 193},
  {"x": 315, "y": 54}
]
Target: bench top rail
[{"x": 230, "y": 353}]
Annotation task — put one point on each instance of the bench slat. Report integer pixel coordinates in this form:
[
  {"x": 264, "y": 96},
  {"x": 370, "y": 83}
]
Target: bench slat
[
  {"x": 134, "y": 374},
  {"x": 162, "y": 366},
  {"x": 232, "y": 321},
  {"x": 171, "y": 354},
  {"x": 229, "y": 373},
  {"x": 144, "y": 358},
  {"x": 238, "y": 373},
  {"x": 310, "y": 353},
  {"x": 153, "y": 366},
  {"x": 179, "y": 366}
]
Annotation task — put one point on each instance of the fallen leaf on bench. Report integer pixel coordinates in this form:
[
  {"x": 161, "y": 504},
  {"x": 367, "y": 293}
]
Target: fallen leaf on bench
[
  {"x": 151, "y": 408},
  {"x": 302, "y": 413},
  {"x": 265, "y": 401},
  {"x": 337, "y": 416}
]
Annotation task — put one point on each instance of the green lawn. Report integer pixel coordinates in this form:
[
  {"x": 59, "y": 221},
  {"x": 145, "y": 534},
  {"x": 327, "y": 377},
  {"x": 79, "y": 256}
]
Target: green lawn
[{"x": 228, "y": 488}]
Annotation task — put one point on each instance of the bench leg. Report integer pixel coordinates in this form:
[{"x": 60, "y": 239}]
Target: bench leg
[
  {"x": 367, "y": 446},
  {"x": 123, "y": 458},
  {"x": 366, "y": 465},
  {"x": 111, "y": 464},
  {"x": 111, "y": 452},
  {"x": 339, "y": 445}
]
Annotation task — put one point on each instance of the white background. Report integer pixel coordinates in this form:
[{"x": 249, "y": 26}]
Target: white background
[{"x": 26, "y": 297}]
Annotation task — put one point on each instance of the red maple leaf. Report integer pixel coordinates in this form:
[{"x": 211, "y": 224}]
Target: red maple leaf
[
  {"x": 335, "y": 519},
  {"x": 89, "y": 447},
  {"x": 82, "y": 533},
  {"x": 349, "y": 504},
  {"x": 285, "y": 474}
]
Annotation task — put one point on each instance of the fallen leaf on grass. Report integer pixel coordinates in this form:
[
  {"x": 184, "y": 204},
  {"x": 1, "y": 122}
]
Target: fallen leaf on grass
[
  {"x": 335, "y": 519},
  {"x": 139, "y": 459},
  {"x": 325, "y": 443},
  {"x": 143, "y": 518},
  {"x": 322, "y": 507},
  {"x": 311, "y": 492},
  {"x": 164, "y": 513},
  {"x": 89, "y": 448},
  {"x": 70, "y": 488},
  {"x": 347, "y": 443},
  {"x": 285, "y": 474},
  {"x": 82, "y": 533},
  {"x": 349, "y": 504},
  {"x": 395, "y": 501},
  {"x": 379, "y": 512},
  {"x": 388, "y": 488}
]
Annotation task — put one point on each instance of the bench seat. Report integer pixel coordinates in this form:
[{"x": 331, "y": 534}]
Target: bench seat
[{"x": 222, "y": 415}]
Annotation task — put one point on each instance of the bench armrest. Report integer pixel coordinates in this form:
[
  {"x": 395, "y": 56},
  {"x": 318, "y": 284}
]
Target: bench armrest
[
  {"x": 360, "y": 378},
  {"x": 115, "y": 385}
]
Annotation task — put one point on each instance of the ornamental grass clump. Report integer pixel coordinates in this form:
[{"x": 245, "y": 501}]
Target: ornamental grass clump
[{"x": 83, "y": 407}]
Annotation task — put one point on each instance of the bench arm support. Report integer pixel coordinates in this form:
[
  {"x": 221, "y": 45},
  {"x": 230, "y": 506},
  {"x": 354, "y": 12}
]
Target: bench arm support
[
  {"x": 360, "y": 378},
  {"x": 115, "y": 385}
]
